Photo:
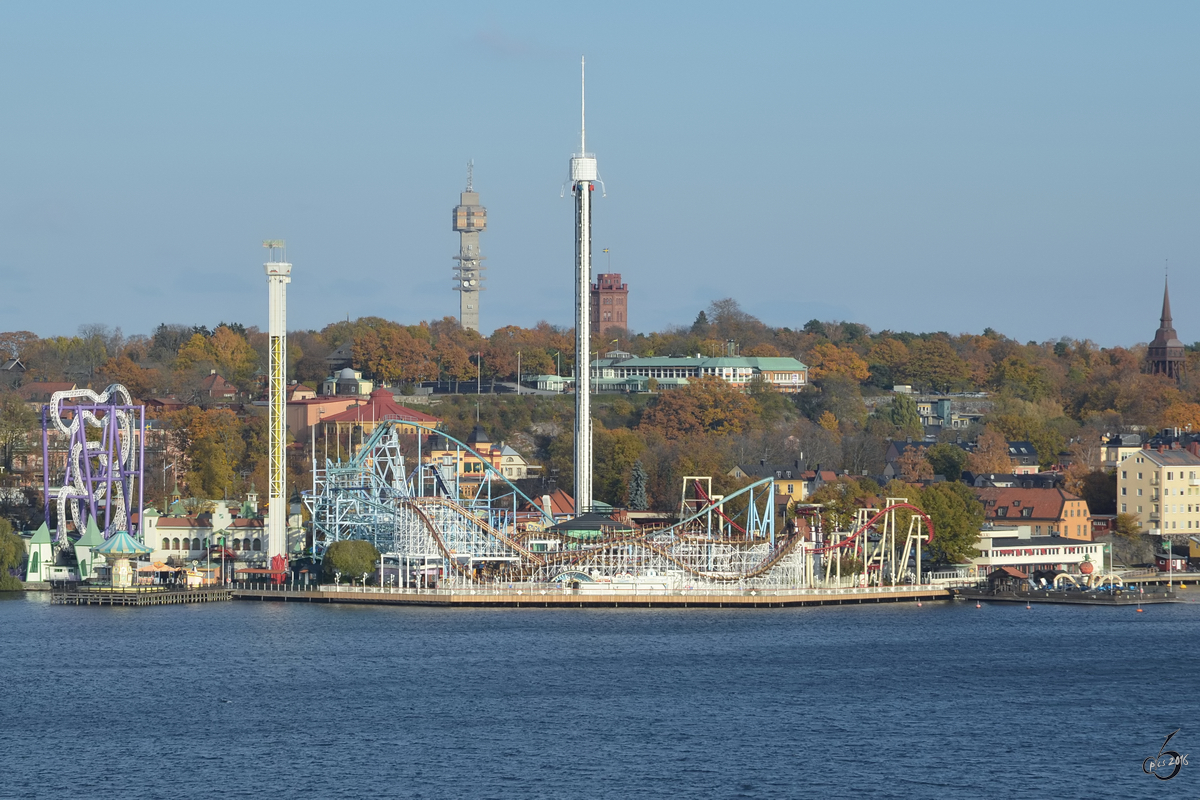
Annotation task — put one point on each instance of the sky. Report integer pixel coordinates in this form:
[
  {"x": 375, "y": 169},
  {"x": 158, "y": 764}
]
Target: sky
[{"x": 1027, "y": 166}]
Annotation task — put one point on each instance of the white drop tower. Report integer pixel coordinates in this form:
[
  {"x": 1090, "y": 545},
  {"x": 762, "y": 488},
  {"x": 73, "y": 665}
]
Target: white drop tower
[
  {"x": 279, "y": 275},
  {"x": 584, "y": 176}
]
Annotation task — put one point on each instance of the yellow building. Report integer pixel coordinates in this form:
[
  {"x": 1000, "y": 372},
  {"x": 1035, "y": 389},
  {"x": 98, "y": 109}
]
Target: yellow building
[{"x": 1161, "y": 487}]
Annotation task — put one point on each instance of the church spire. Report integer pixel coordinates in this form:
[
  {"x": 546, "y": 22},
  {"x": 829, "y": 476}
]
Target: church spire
[
  {"x": 1166, "y": 355},
  {"x": 1166, "y": 312}
]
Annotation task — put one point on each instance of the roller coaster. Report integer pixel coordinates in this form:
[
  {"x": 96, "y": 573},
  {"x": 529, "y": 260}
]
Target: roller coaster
[{"x": 435, "y": 526}]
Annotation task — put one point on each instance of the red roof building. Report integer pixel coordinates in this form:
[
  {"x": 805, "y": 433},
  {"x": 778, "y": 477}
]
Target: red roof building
[
  {"x": 217, "y": 388},
  {"x": 357, "y": 421},
  {"x": 1049, "y": 512}
]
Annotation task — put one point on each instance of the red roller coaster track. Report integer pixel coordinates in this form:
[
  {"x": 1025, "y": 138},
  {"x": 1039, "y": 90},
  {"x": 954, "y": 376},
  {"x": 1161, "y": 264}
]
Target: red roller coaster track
[{"x": 871, "y": 522}]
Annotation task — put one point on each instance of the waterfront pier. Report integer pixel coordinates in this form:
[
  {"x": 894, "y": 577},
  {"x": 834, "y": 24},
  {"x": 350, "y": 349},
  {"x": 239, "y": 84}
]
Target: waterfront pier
[
  {"x": 84, "y": 595},
  {"x": 539, "y": 596}
]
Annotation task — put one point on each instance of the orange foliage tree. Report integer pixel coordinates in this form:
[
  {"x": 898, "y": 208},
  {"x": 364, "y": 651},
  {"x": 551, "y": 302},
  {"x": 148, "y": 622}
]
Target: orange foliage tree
[{"x": 708, "y": 405}]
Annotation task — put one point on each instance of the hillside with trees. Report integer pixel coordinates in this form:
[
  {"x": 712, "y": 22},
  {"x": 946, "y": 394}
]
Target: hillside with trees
[{"x": 1059, "y": 395}]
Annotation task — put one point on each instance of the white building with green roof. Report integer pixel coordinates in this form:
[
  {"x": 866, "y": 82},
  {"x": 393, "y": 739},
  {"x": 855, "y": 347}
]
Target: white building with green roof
[{"x": 622, "y": 371}]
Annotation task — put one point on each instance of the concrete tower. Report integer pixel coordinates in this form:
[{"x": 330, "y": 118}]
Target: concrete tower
[
  {"x": 584, "y": 176},
  {"x": 1165, "y": 354},
  {"x": 279, "y": 275},
  {"x": 470, "y": 219}
]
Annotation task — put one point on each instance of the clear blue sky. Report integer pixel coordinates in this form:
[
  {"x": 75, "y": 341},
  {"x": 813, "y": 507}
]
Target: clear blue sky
[{"x": 921, "y": 166}]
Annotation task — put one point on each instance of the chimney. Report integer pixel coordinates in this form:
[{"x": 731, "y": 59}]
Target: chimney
[
  {"x": 762, "y": 462},
  {"x": 1160, "y": 448},
  {"x": 1175, "y": 445}
]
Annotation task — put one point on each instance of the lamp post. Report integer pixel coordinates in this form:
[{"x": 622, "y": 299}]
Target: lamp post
[
  {"x": 518, "y": 372},
  {"x": 478, "y": 373}
]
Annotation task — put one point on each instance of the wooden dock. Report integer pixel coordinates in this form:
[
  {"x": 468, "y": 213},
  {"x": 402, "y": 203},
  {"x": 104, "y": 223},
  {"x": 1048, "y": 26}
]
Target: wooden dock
[
  {"x": 541, "y": 597},
  {"x": 1125, "y": 598},
  {"x": 84, "y": 595}
]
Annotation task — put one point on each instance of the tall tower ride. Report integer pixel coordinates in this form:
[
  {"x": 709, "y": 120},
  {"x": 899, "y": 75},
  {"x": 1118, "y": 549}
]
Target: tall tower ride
[
  {"x": 470, "y": 219},
  {"x": 279, "y": 275},
  {"x": 584, "y": 175}
]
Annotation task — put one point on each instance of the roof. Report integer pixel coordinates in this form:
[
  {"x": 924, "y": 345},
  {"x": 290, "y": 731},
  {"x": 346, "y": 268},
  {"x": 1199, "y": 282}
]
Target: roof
[
  {"x": 1022, "y": 449},
  {"x": 1033, "y": 541},
  {"x": 380, "y": 405},
  {"x": 774, "y": 364},
  {"x": 215, "y": 384},
  {"x": 591, "y": 522},
  {"x": 1007, "y": 572},
  {"x": 1168, "y": 458},
  {"x": 790, "y": 472},
  {"x": 91, "y": 535},
  {"x": 1046, "y": 504},
  {"x": 560, "y": 502},
  {"x": 41, "y": 535},
  {"x": 122, "y": 544},
  {"x": 41, "y": 390}
]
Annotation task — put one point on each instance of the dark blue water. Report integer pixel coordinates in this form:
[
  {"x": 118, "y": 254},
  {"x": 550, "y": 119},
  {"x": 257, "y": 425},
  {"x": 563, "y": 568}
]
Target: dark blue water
[{"x": 285, "y": 700}]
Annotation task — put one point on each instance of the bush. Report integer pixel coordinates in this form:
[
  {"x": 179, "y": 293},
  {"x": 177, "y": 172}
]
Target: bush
[{"x": 351, "y": 558}]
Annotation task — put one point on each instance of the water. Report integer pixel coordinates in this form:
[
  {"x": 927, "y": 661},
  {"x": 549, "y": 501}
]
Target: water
[{"x": 282, "y": 700}]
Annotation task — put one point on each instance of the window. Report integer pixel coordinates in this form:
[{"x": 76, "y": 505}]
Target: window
[
  {"x": 1124, "y": 475},
  {"x": 33, "y": 562},
  {"x": 1139, "y": 492},
  {"x": 166, "y": 543},
  {"x": 175, "y": 544},
  {"x": 1123, "y": 509},
  {"x": 1139, "y": 476},
  {"x": 1122, "y": 490},
  {"x": 1170, "y": 476}
]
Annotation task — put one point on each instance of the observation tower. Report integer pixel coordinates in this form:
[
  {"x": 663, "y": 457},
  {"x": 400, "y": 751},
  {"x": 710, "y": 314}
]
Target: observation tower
[
  {"x": 279, "y": 275},
  {"x": 470, "y": 219},
  {"x": 584, "y": 176}
]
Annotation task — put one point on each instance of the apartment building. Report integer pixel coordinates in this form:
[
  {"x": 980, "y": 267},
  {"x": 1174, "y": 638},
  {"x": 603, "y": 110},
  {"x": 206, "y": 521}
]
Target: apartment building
[{"x": 1161, "y": 487}]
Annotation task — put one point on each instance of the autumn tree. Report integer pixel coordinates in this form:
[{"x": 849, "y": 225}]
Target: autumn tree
[
  {"x": 214, "y": 443},
  {"x": 140, "y": 382},
  {"x": 934, "y": 364},
  {"x": 914, "y": 468},
  {"x": 827, "y": 359},
  {"x": 16, "y": 344},
  {"x": 990, "y": 454},
  {"x": 18, "y": 428},
  {"x": 707, "y": 405}
]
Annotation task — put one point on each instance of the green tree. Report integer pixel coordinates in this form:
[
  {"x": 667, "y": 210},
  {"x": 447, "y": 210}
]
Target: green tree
[
  {"x": 350, "y": 557},
  {"x": 12, "y": 557},
  {"x": 947, "y": 460},
  {"x": 1099, "y": 490},
  {"x": 18, "y": 424},
  {"x": 615, "y": 454},
  {"x": 957, "y": 520},
  {"x": 902, "y": 412},
  {"x": 637, "y": 486}
]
